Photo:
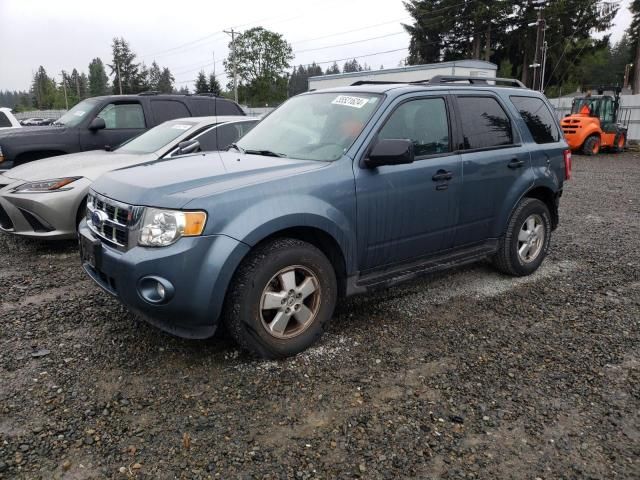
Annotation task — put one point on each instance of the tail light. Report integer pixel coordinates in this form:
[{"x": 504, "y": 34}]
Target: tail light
[{"x": 567, "y": 164}]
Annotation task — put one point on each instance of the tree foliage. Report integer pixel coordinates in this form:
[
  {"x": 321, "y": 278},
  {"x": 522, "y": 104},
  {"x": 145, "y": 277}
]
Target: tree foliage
[
  {"x": 260, "y": 58},
  {"x": 501, "y": 32},
  {"x": 98, "y": 80},
  {"x": 201, "y": 85}
]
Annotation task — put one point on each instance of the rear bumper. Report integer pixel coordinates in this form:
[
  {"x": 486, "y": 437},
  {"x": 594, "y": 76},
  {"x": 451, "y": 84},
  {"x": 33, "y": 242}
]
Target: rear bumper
[
  {"x": 198, "y": 268},
  {"x": 49, "y": 216}
]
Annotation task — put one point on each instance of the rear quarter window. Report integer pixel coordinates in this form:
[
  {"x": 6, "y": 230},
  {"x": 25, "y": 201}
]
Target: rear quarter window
[
  {"x": 4, "y": 120},
  {"x": 209, "y": 106},
  {"x": 164, "y": 110},
  {"x": 539, "y": 119},
  {"x": 484, "y": 123}
]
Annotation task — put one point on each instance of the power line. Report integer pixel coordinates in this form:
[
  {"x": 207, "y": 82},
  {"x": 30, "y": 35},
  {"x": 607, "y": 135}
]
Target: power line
[{"x": 349, "y": 43}]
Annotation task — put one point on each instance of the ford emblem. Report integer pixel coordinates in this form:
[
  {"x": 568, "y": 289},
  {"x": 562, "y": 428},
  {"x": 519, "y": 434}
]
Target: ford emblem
[{"x": 98, "y": 217}]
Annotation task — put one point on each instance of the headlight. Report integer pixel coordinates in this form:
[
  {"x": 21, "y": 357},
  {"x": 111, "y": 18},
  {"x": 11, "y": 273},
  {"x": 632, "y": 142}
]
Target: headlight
[
  {"x": 1, "y": 155},
  {"x": 161, "y": 228},
  {"x": 46, "y": 185}
]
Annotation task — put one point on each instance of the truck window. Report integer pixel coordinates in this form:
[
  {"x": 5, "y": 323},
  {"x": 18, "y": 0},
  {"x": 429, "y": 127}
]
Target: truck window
[
  {"x": 484, "y": 123},
  {"x": 538, "y": 118},
  {"x": 220, "y": 137},
  {"x": 164, "y": 110},
  {"x": 422, "y": 121},
  {"x": 123, "y": 116},
  {"x": 4, "y": 120}
]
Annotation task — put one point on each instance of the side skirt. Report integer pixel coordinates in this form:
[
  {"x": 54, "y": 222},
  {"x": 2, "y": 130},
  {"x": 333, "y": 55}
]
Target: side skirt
[{"x": 357, "y": 284}]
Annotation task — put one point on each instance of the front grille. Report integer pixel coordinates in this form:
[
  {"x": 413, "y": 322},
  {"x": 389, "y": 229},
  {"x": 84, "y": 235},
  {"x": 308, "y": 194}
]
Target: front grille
[
  {"x": 118, "y": 217},
  {"x": 5, "y": 220}
]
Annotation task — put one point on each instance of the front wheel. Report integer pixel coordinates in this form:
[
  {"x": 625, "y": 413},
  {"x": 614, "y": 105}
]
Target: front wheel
[
  {"x": 591, "y": 145},
  {"x": 526, "y": 242},
  {"x": 281, "y": 298}
]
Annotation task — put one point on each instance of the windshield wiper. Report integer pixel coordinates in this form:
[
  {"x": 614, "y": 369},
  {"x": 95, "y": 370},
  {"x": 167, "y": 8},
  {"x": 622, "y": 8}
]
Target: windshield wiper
[
  {"x": 233, "y": 145},
  {"x": 266, "y": 153}
]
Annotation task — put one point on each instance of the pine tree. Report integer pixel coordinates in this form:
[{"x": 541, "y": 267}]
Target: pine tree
[
  {"x": 154, "y": 76},
  {"x": 201, "y": 84},
  {"x": 214, "y": 85},
  {"x": 98, "y": 80},
  {"x": 352, "y": 66},
  {"x": 43, "y": 90},
  {"x": 165, "y": 82},
  {"x": 124, "y": 69},
  {"x": 333, "y": 69}
]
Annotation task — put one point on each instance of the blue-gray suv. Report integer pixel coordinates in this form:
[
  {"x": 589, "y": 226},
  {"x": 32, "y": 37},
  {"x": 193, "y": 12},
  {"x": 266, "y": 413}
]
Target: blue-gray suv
[{"x": 337, "y": 192}]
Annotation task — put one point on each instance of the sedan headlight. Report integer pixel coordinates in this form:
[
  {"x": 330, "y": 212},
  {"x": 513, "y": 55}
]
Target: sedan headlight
[
  {"x": 56, "y": 184},
  {"x": 161, "y": 228}
]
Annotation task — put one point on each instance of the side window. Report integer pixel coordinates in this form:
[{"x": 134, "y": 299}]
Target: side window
[
  {"x": 4, "y": 120},
  {"x": 123, "y": 115},
  {"x": 422, "y": 121},
  {"x": 539, "y": 120},
  {"x": 245, "y": 127},
  {"x": 164, "y": 110},
  {"x": 607, "y": 113},
  {"x": 220, "y": 138},
  {"x": 484, "y": 123}
]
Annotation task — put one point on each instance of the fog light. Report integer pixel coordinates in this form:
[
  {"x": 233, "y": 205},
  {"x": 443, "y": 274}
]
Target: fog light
[{"x": 156, "y": 290}]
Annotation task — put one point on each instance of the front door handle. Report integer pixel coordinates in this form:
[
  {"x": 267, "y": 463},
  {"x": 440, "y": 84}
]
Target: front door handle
[
  {"x": 515, "y": 163},
  {"x": 442, "y": 175}
]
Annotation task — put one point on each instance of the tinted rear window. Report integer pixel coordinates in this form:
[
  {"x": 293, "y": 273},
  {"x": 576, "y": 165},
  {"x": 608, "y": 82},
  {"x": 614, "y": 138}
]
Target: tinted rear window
[
  {"x": 539, "y": 119},
  {"x": 206, "y": 106},
  {"x": 484, "y": 123},
  {"x": 164, "y": 110},
  {"x": 4, "y": 121}
]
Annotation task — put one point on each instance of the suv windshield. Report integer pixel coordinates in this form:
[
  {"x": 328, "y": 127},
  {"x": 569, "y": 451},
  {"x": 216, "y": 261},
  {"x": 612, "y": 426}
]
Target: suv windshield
[
  {"x": 316, "y": 126},
  {"x": 157, "y": 137},
  {"x": 74, "y": 116}
]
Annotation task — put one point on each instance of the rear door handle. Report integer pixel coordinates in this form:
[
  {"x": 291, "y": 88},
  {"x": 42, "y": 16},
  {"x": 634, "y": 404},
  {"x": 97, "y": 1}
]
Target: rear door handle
[
  {"x": 515, "y": 163},
  {"x": 442, "y": 175}
]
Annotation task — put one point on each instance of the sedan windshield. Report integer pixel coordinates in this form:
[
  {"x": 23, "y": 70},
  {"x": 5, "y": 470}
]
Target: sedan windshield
[
  {"x": 157, "y": 138},
  {"x": 317, "y": 126},
  {"x": 74, "y": 116}
]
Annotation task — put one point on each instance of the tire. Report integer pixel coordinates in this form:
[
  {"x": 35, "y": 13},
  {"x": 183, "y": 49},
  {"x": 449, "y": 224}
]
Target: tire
[
  {"x": 620, "y": 142},
  {"x": 508, "y": 259},
  {"x": 264, "y": 279},
  {"x": 591, "y": 145}
]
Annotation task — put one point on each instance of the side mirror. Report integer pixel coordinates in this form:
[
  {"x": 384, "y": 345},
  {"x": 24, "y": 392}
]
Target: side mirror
[
  {"x": 392, "y": 151},
  {"x": 97, "y": 124},
  {"x": 188, "y": 146}
]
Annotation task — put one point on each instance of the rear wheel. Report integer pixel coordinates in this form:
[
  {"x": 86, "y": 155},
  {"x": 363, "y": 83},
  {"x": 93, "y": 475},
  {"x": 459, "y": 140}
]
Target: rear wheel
[
  {"x": 591, "y": 145},
  {"x": 621, "y": 141},
  {"x": 525, "y": 244},
  {"x": 281, "y": 298}
]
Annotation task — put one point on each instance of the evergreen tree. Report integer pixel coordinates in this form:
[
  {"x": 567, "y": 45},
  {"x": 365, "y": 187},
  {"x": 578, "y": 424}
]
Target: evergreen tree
[
  {"x": 165, "y": 81},
  {"x": 124, "y": 69},
  {"x": 43, "y": 90},
  {"x": 333, "y": 69},
  {"x": 154, "y": 76},
  {"x": 201, "y": 84},
  {"x": 183, "y": 91},
  {"x": 352, "y": 66},
  {"x": 98, "y": 80},
  {"x": 214, "y": 85}
]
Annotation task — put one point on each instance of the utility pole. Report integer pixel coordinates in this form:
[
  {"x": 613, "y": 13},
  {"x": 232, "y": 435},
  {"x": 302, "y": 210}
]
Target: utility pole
[
  {"x": 545, "y": 47},
  {"x": 235, "y": 60},
  {"x": 536, "y": 57},
  {"x": 64, "y": 89},
  {"x": 119, "y": 77}
]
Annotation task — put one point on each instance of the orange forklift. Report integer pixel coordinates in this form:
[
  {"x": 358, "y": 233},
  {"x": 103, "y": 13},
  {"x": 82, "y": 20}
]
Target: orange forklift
[{"x": 594, "y": 122}]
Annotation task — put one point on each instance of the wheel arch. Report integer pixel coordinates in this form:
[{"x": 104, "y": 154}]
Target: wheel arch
[{"x": 549, "y": 198}]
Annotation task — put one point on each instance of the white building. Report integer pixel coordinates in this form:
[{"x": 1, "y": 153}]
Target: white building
[{"x": 466, "y": 68}]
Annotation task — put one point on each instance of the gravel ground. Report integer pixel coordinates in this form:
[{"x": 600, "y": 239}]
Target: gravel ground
[{"x": 468, "y": 374}]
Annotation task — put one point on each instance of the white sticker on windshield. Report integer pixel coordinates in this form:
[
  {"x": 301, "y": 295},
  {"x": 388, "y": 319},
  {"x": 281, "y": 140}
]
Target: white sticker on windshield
[
  {"x": 349, "y": 101},
  {"x": 180, "y": 126},
  {"x": 79, "y": 113}
]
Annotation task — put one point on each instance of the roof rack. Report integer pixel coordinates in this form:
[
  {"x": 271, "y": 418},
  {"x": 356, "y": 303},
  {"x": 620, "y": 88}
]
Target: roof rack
[
  {"x": 148, "y": 93},
  {"x": 441, "y": 79},
  {"x": 205, "y": 94},
  {"x": 374, "y": 82}
]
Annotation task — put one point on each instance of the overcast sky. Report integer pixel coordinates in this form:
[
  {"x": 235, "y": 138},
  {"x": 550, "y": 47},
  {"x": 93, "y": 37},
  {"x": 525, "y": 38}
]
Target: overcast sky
[{"x": 184, "y": 36}]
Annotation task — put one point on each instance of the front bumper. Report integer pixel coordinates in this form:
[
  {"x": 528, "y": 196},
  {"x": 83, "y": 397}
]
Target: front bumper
[
  {"x": 199, "y": 268},
  {"x": 49, "y": 216}
]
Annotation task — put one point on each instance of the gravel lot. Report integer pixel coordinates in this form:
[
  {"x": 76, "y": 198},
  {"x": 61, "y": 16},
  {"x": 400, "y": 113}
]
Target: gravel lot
[{"x": 469, "y": 374}]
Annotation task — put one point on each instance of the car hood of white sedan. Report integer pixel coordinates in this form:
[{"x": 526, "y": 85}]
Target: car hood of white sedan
[{"x": 84, "y": 164}]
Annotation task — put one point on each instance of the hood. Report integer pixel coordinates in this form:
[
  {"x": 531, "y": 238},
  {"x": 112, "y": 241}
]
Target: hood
[
  {"x": 30, "y": 131},
  {"x": 174, "y": 182},
  {"x": 84, "y": 164}
]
